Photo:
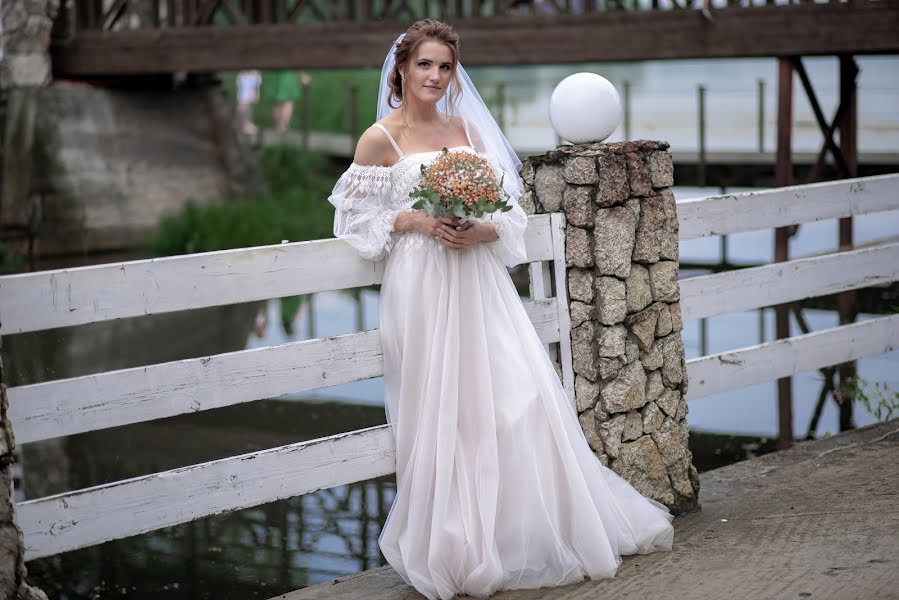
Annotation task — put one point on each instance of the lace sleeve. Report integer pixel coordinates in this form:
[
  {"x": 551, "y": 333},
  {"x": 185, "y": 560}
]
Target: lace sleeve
[
  {"x": 510, "y": 225},
  {"x": 362, "y": 215}
]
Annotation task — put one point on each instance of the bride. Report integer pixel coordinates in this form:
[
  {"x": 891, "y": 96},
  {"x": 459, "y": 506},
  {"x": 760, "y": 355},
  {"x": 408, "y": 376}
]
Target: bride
[{"x": 496, "y": 485}]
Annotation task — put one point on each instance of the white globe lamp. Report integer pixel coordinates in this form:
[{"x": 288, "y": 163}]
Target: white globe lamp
[{"x": 585, "y": 107}]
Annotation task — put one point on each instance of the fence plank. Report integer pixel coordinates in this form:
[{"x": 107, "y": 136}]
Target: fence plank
[
  {"x": 82, "y": 518},
  {"x": 98, "y": 401},
  {"x": 756, "y": 287},
  {"x": 783, "y": 358},
  {"x": 65, "y": 297},
  {"x": 733, "y": 213}
]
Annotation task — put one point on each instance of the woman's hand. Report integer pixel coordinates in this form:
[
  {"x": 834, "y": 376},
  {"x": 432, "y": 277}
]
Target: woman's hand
[
  {"x": 457, "y": 236},
  {"x": 449, "y": 231}
]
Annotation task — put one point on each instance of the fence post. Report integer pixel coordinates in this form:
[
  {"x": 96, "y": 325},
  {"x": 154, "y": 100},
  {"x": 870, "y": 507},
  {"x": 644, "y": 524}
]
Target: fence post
[
  {"x": 784, "y": 177},
  {"x": 621, "y": 266}
]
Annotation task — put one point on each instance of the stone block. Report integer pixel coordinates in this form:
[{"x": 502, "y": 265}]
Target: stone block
[
  {"x": 654, "y": 386},
  {"x": 663, "y": 326},
  {"x": 611, "y": 341},
  {"x": 641, "y": 464},
  {"x": 580, "y": 312},
  {"x": 580, "y": 170},
  {"x": 672, "y": 349},
  {"x": 669, "y": 401},
  {"x": 580, "y": 285},
  {"x": 549, "y": 186},
  {"x": 672, "y": 441},
  {"x": 633, "y": 426},
  {"x": 610, "y": 433},
  {"x": 677, "y": 322},
  {"x": 588, "y": 425},
  {"x": 578, "y": 205},
  {"x": 643, "y": 326},
  {"x": 652, "y": 359},
  {"x": 652, "y": 417},
  {"x": 661, "y": 168},
  {"x": 638, "y": 176},
  {"x": 583, "y": 350},
  {"x": 586, "y": 393},
  {"x": 639, "y": 294},
  {"x": 613, "y": 187},
  {"x": 578, "y": 247},
  {"x": 614, "y": 241},
  {"x": 649, "y": 229},
  {"x": 609, "y": 367},
  {"x": 610, "y": 300},
  {"x": 663, "y": 281},
  {"x": 627, "y": 391}
]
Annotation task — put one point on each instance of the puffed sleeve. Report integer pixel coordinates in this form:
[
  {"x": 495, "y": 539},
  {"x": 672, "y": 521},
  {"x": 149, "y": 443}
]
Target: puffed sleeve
[
  {"x": 510, "y": 225},
  {"x": 362, "y": 216}
]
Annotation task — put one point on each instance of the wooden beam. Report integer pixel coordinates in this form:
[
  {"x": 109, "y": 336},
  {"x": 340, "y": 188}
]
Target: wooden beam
[{"x": 811, "y": 29}]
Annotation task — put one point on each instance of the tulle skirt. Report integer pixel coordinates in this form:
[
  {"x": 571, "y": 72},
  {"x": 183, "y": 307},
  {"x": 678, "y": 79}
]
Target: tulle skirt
[{"x": 496, "y": 485}]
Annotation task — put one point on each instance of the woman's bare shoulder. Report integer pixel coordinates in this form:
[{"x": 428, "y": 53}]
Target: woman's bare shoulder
[{"x": 374, "y": 149}]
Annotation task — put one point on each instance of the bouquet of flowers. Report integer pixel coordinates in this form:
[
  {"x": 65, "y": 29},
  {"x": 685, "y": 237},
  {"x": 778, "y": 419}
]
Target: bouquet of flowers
[{"x": 459, "y": 184}]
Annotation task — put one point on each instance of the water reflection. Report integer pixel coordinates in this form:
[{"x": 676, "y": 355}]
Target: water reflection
[{"x": 255, "y": 553}]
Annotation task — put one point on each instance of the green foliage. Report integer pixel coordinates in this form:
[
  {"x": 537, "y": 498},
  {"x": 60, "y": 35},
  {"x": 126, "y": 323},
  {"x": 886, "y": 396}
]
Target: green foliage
[
  {"x": 10, "y": 260},
  {"x": 878, "y": 399},
  {"x": 329, "y": 97},
  {"x": 293, "y": 207}
]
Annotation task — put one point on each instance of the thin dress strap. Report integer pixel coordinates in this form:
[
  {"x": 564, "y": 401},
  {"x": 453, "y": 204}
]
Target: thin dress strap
[
  {"x": 390, "y": 137},
  {"x": 467, "y": 137}
]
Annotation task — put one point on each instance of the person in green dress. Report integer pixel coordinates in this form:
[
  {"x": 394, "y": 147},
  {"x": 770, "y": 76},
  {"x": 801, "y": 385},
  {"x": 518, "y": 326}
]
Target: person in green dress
[{"x": 282, "y": 89}]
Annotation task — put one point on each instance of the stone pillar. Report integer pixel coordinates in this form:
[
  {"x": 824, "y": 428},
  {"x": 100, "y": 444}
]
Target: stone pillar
[
  {"x": 12, "y": 546},
  {"x": 621, "y": 255},
  {"x": 24, "y": 63}
]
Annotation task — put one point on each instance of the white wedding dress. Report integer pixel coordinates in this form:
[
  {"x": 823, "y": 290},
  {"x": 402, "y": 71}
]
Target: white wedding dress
[{"x": 496, "y": 485}]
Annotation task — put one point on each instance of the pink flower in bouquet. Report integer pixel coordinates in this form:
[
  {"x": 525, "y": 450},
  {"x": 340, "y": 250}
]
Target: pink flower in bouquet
[{"x": 460, "y": 184}]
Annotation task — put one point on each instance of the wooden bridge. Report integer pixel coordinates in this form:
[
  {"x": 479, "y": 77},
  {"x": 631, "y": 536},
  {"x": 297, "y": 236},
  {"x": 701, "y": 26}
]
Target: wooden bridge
[
  {"x": 98, "y": 38},
  {"x": 73, "y": 297}
]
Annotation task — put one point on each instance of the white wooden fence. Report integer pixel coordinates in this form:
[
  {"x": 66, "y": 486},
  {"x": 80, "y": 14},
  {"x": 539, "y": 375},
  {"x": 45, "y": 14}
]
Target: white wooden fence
[{"x": 44, "y": 300}]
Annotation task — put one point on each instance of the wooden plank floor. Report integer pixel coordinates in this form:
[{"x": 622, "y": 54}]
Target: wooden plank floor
[{"x": 818, "y": 521}]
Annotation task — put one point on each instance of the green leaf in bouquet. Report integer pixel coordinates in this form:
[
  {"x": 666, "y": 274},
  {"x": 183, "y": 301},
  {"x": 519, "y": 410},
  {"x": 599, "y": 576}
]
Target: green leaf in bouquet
[
  {"x": 507, "y": 208},
  {"x": 490, "y": 208},
  {"x": 419, "y": 204},
  {"x": 459, "y": 210}
]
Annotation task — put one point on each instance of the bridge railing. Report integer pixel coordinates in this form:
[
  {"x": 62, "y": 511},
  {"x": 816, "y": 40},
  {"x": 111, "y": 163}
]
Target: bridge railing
[{"x": 69, "y": 297}]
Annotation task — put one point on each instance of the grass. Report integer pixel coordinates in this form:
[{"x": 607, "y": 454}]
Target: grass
[{"x": 292, "y": 207}]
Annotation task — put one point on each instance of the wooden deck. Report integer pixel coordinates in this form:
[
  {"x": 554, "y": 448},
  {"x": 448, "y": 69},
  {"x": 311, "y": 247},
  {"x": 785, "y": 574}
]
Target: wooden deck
[{"x": 817, "y": 521}]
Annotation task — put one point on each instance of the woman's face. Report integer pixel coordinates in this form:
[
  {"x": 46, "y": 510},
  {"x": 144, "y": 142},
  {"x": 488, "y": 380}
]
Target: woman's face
[{"x": 429, "y": 72}]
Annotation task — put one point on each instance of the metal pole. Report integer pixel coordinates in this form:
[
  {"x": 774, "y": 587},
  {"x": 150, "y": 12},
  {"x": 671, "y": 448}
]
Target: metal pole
[
  {"x": 627, "y": 110},
  {"x": 784, "y": 177},
  {"x": 701, "y": 167},
  {"x": 848, "y": 148},
  {"x": 761, "y": 115}
]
